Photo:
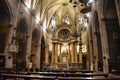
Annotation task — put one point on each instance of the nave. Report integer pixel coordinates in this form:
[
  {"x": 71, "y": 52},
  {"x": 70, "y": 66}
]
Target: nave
[{"x": 52, "y": 37}]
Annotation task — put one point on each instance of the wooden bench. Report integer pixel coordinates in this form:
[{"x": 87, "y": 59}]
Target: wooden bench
[
  {"x": 70, "y": 71},
  {"x": 86, "y": 74},
  {"x": 5, "y": 76},
  {"x": 48, "y": 73},
  {"x": 11, "y": 70},
  {"x": 69, "y": 74},
  {"x": 85, "y": 78}
]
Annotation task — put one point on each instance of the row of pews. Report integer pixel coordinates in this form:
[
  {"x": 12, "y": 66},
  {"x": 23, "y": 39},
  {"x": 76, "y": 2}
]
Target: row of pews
[{"x": 53, "y": 74}]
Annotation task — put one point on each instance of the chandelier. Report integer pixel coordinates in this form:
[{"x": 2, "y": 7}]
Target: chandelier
[
  {"x": 86, "y": 3},
  {"x": 76, "y": 35},
  {"x": 87, "y": 8}
]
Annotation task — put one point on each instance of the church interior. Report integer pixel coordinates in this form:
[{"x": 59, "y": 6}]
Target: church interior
[{"x": 41, "y": 35}]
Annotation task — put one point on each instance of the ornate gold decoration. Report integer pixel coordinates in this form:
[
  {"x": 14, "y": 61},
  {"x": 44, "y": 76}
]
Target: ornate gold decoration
[{"x": 64, "y": 34}]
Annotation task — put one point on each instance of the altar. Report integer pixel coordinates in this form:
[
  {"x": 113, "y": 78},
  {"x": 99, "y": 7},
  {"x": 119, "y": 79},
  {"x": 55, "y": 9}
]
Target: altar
[{"x": 62, "y": 65}]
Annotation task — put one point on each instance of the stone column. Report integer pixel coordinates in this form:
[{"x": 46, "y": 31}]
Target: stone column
[
  {"x": 104, "y": 48},
  {"x": 75, "y": 47},
  {"x": 38, "y": 57},
  {"x": 90, "y": 48},
  {"x": 80, "y": 57},
  {"x": 69, "y": 53},
  {"x": 95, "y": 48},
  {"x": 73, "y": 53},
  {"x": 56, "y": 53},
  {"x": 60, "y": 54},
  {"x": 46, "y": 55},
  {"x": 12, "y": 33},
  {"x": 53, "y": 53},
  {"x": 104, "y": 40}
]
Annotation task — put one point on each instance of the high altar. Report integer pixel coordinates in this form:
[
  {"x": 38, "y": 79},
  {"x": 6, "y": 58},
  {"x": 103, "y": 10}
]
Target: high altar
[{"x": 65, "y": 52}]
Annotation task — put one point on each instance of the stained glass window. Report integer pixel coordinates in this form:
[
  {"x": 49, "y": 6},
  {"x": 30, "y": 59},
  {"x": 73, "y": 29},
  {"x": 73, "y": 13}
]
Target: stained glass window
[
  {"x": 53, "y": 22},
  {"x": 67, "y": 20}
]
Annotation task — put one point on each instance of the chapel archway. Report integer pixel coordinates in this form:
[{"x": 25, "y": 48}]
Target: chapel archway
[
  {"x": 113, "y": 35},
  {"x": 5, "y": 17},
  {"x": 21, "y": 40},
  {"x": 35, "y": 45},
  {"x": 42, "y": 54}
]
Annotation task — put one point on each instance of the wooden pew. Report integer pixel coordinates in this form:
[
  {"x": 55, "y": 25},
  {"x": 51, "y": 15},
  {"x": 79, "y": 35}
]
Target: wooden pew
[
  {"x": 29, "y": 77},
  {"x": 69, "y": 74},
  {"x": 85, "y": 78},
  {"x": 11, "y": 70},
  {"x": 86, "y": 74},
  {"x": 67, "y": 70},
  {"x": 5, "y": 76},
  {"x": 47, "y": 73}
]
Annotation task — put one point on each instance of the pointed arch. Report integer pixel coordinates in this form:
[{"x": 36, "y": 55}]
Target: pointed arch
[
  {"x": 21, "y": 40},
  {"x": 5, "y": 21},
  {"x": 5, "y": 13},
  {"x": 113, "y": 35},
  {"x": 66, "y": 16},
  {"x": 109, "y": 9},
  {"x": 34, "y": 46}
]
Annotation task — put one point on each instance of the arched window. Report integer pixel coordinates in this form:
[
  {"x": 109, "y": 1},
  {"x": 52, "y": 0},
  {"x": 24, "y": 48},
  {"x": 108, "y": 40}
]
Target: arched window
[
  {"x": 80, "y": 20},
  {"x": 67, "y": 20},
  {"x": 53, "y": 21},
  {"x": 28, "y": 3}
]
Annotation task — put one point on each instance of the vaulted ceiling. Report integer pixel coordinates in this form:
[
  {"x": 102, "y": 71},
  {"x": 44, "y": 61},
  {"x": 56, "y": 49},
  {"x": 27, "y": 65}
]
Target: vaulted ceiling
[{"x": 45, "y": 9}]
